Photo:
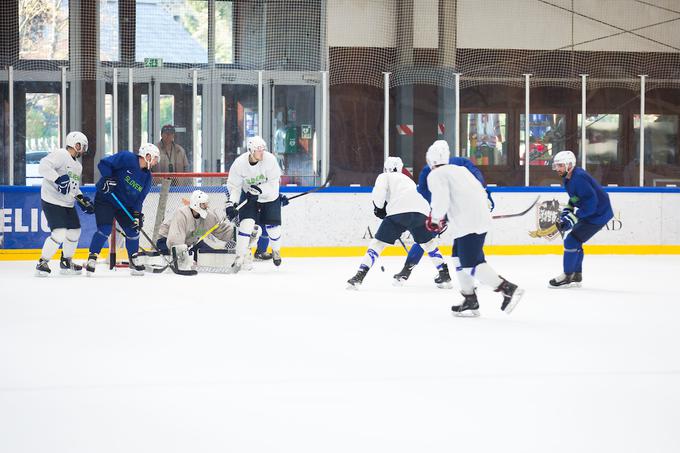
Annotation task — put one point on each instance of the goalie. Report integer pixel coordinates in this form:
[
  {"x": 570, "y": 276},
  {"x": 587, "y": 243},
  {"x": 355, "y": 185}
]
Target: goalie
[{"x": 197, "y": 228}]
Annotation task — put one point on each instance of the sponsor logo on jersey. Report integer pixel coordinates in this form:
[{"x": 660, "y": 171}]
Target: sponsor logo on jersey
[{"x": 257, "y": 180}]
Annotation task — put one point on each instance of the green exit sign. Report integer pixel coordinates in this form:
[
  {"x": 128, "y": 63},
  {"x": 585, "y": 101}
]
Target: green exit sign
[{"x": 153, "y": 62}]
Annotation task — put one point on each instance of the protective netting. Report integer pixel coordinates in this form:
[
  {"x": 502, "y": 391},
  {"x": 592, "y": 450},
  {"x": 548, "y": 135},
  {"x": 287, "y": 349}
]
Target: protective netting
[
  {"x": 418, "y": 41},
  {"x": 171, "y": 191}
]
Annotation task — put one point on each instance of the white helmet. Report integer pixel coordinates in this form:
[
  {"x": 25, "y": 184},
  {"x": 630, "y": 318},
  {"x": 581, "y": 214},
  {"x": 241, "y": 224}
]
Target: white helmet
[
  {"x": 152, "y": 150},
  {"x": 75, "y": 137},
  {"x": 393, "y": 165},
  {"x": 255, "y": 143},
  {"x": 199, "y": 203},
  {"x": 564, "y": 157},
  {"x": 438, "y": 154}
]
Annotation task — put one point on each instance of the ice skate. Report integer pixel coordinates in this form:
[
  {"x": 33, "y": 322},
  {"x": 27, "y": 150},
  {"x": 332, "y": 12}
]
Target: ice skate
[
  {"x": 91, "y": 264},
  {"x": 562, "y": 281},
  {"x": 237, "y": 264},
  {"x": 404, "y": 274},
  {"x": 276, "y": 257},
  {"x": 42, "y": 269},
  {"x": 262, "y": 256},
  {"x": 356, "y": 281},
  {"x": 443, "y": 280},
  {"x": 68, "y": 267},
  {"x": 511, "y": 295},
  {"x": 469, "y": 308},
  {"x": 136, "y": 265}
]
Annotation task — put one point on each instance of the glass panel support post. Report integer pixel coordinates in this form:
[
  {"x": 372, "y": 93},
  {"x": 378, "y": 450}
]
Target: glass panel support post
[
  {"x": 527, "y": 141},
  {"x": 130, "y": 111},
  {"x": 62, "y": 138},
  {"x": 194, "y": 120},
  {"x": 642, "y": 130},
  {"x": 325, "y": 153},
  {"x": 584, "y": 78},
  {"x": 10, "y": 160},
  {"x": 456, "y": 115},
  {"x": 114, "y": 111},
  {"x": 386, "y": 120},
  {"x": 260, "y": 103}
]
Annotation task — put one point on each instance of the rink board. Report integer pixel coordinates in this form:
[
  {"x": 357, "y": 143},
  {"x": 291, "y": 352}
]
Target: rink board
[{"x": 339, "y": 221}]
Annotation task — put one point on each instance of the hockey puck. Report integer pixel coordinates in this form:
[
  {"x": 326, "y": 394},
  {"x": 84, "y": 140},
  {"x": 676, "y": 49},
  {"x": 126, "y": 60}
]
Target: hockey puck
[{"x": 382, "y": 268}]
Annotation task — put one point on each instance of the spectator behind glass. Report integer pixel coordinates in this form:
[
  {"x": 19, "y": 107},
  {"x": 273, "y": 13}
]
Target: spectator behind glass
[{"x": 173, "y": 156}]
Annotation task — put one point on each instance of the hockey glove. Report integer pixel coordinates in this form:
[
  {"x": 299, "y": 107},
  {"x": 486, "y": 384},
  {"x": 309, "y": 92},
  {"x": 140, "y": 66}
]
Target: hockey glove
[
  {"x": 380, "y": 213},
  {"x": 231, "y": 211},
  {"x": 492, "y": 204},
  {"x": 63, "y": 182},
  {"x": 139, "y": 220},
  {"x": 107, "y": 185},
  {"x": 566, "y": 221},
  {"x": 253, "y": 192},
  {"x": 435, "y": 226},
  {"x": 284, "y": 200},
  {"x": 85, "y": 204}
]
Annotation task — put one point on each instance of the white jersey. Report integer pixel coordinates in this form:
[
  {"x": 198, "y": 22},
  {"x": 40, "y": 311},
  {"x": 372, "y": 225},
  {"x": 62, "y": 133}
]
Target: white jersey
[
  {"x": 266, "y": 174},
  {"x": 459, "y": 195},
  {"x": 58, "y": 163},
  {"x": 400, "y": 193},
  {"x": 184, "y": 228}
]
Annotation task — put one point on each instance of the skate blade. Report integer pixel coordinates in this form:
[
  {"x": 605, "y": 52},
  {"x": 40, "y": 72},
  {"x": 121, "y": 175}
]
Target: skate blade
[
  {"x": 397, "y": 282},
  {"x": 519, "y": 292},
  {"x": 89, "y": 274},
  {"x": 136, "y": 273},
  {"x": 445, "y": 285},
  {"x": 41, "y": 274},
  {"x": 69, "y": 272},
  {"x": 352, "y": 287},
  {"x": 466, "y": 314},
  {"x": 568, "y": 285}
]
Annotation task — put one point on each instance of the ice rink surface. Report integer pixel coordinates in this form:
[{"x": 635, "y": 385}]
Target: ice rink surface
[{"x": 288, "y": 360}]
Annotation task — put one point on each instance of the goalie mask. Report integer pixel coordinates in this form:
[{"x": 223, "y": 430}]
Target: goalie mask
[
  {"x": 73, "y": 139},
  {"x": 393, "y": 165},
  {"x": 199, "y": 203},
  {"x": 438, "y": 154},
  {"x": 564, "y": 157}
]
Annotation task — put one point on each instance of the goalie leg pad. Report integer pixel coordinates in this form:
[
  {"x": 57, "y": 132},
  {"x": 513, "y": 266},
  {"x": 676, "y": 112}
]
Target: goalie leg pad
[{"x": 180, "y": 253}]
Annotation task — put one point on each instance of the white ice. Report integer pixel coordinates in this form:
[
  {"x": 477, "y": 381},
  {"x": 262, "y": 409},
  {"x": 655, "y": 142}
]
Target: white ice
[{"x": 288, "y": 360}]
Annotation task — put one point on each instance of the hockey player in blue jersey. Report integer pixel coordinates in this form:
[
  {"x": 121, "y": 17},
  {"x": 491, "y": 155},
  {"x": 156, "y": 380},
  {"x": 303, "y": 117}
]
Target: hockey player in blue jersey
[
  {"x": 416, "y": 251},
  {"x": 127, "y": 176},
  {"x": 586, "y": 213}
]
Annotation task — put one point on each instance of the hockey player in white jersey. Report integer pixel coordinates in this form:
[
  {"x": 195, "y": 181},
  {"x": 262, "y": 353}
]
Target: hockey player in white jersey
[
  {"x": 460, "y": 202},
  {"x": 254, "y": 176},
  {"x": 61, "y": 172},
  {"x": 397, "y": 202}
]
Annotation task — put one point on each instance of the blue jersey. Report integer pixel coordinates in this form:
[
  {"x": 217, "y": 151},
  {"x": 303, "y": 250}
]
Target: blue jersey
[
  {"x": 134, "y": 182},
  {"x": 461, "y": 162},
  {"x": 588, "y": 196}
]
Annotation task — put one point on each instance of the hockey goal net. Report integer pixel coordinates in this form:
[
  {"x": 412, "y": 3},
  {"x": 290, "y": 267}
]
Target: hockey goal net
[{"x": 169, "y": 192}]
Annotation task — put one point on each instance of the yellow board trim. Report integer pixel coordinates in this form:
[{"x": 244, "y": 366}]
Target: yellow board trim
[{"x": 309, "y": 252}]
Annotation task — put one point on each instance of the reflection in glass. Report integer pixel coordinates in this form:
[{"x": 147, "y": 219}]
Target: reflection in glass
[
  {"x": 546, "y": 137},
  {"x": 603, "y": 133},
  {"x": 485, "y": 132},
  {"x": 42, "y": 131},
  {"x": 109, "y": 49},
  {"x": 108, "y": 124},
  {"x": 661, "y": 139},
  {"x": 174, "y": 31},
  {"x": 43, "y": 29},
  {"x": 293, "y": 133}
]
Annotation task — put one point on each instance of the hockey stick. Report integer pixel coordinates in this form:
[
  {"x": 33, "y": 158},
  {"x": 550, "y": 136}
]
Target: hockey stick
[
  {"x": 518, "y": 214},
  {"x": 170, "y": 264},
  {"x": 316, "y": 189}
]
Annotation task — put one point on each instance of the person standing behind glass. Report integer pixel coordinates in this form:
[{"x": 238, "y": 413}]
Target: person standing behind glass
[{"x": 173, "y": 156}]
